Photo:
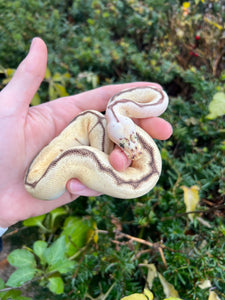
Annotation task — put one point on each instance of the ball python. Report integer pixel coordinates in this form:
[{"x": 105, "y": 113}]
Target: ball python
[{"x": 82, "y": 149}]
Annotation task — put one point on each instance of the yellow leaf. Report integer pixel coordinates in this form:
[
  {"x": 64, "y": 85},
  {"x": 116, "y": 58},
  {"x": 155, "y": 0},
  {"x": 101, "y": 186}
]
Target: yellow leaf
[
  {"x": 213, "y": 296},
  {"x": 213, "y": 23},
  {"x": 149, "y": 294},
  {"x": 6, "y": 80},
  {"x": 204, "y": 222},
  {"x": 218, "y": 26},
  {"x": 9, "y": 72},
  {"x": 47, "y": 73},
  {"x": 168, "y": 288},
  {"x": 152, "y": 274},
  {"x": 186, "y": 4},
  {"x": 217, "y": 106},
  {"x": 66, "y": 75},
  {"x": 205, "y": 284},
  {"x": 57, "y": 77},
  {"x": 135, "y": 297},
  {"x": 61, "y": 90},
  {"x": 36, "y": 100},
  {"x": 92, "y": 234},
  {"x": 172, "y": 298},
  {"x": 146, "y": 296},
  {"x": 191, "y": 198}
]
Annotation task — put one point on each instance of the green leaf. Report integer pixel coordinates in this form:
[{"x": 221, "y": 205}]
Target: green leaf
[
  {"x": 56, "y": 252},
  {"x": 35, "y": 221},
  {"x": 76, "y": 231},
  {"x": 22, "y": 298},
  {"x": 39, "y": 248},
  {"x": 56, "y": 285},
  {"x": 20, "y": 276},
  {"x": 59, "y": 211},
  {"x": 51, "y": 91},
  {"x": 217, "y": 106},
  {"x": 21, "y": 258},
  {"x": 63, "y": 267},
  {"x": 2, "y": 284},
  {"x": 14, "y": 295}
]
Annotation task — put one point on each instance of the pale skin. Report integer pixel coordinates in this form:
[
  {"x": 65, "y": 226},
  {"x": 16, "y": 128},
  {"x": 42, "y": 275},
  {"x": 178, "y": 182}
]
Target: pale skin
[{"x": 25, "y": 130}]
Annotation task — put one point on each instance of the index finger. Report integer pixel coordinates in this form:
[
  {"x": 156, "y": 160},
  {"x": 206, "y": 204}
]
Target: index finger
[
  {"x": 63, "y": 110},
  {"x": 97, "y": 99}
]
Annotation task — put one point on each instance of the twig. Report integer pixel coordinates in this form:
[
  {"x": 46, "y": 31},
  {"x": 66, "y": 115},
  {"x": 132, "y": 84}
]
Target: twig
[
  {"x": 102, "y": 296},
  {"x": 159, "y": 246},
  {"x": 13, "y": 232}
]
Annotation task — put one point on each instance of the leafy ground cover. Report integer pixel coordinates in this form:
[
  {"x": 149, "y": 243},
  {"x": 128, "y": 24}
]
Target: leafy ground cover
[{"x": 171, "y": 242}]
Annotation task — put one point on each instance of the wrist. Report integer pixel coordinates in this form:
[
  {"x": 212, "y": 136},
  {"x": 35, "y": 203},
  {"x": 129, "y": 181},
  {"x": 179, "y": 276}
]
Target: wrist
[{"x": 4, "y": 224}]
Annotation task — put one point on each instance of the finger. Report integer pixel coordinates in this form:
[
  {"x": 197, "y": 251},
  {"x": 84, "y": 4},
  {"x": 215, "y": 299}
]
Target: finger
[
  {"x": 75, "y": 187},
  {"x": 17, "y": 95},
  {"x": 156, "y": 127},
  {"x": 119, "y": 160},
  {"x": 63, "y": 110},
  {"x": 97, "y": 99}
]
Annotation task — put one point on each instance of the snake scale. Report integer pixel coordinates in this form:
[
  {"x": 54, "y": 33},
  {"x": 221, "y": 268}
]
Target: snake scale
[{"x": 82, "y": 149}]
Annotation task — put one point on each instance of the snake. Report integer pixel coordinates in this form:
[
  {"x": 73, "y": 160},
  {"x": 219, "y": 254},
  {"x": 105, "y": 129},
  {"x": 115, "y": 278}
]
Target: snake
[{"x": 83, "y": 147}]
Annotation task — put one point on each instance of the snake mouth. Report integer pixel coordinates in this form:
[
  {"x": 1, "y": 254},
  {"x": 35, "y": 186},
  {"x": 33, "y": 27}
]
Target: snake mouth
[{"x": 131, "y": 146}]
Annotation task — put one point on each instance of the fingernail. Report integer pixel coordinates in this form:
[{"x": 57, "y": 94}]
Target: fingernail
[
  {"x": 76, "y": 186},
  {"x": 33, "y": 42}
]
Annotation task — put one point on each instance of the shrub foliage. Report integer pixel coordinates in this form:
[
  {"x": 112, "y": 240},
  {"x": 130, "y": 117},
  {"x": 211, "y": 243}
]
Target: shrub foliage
[{"x": 102, "y": 248}]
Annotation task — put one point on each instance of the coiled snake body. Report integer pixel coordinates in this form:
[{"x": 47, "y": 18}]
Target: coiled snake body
[{"x": 82, "y": 150}]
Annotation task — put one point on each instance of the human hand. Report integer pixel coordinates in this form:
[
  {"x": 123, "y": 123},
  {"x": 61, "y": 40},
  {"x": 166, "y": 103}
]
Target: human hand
[{"x": 25, "y": 130}]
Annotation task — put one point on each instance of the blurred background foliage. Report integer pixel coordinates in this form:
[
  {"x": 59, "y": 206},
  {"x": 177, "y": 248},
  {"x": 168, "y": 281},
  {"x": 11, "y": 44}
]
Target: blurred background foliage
[{"x": 91, "y": 43}]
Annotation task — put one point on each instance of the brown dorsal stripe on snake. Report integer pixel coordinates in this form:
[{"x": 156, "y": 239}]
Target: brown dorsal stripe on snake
[{"x": 83, "y": 147}]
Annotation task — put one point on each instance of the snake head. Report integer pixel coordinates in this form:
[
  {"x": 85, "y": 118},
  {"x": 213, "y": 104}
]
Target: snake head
[
  {"x": 130, "y": 146},
  {"x": 123, "y": 134}
]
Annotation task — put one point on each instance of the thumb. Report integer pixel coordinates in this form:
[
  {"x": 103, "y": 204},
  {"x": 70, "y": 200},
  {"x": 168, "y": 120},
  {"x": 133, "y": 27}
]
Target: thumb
[{"x": 18, "y": 93}]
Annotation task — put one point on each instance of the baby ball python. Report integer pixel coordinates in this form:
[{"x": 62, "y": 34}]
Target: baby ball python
[{"x": 82, "y": 149}]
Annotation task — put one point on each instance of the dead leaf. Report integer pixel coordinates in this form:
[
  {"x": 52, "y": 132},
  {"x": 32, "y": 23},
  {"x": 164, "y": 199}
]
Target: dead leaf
[
  {"x": 205, "y": 284},
  {"x": 152, "y": 273},
  {"x": 191, "y": 198},
  {"x": 213, "y": 296},
  {"x": 168, "y": 288},
  {"x": 146, "y": 296}
]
